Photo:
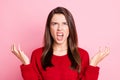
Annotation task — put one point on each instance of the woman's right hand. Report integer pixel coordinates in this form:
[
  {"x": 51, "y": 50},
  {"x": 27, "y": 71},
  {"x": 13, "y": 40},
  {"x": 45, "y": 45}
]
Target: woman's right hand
[{"x": 20, "y": 55}]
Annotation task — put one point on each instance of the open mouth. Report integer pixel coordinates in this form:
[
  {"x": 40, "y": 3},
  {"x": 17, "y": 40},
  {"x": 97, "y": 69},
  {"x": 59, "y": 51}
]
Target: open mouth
[{"x": 60, "y": 36}]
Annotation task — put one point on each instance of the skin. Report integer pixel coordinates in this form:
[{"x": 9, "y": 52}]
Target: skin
[
  {"x": 59, "y": 26},
  {"x": 20, "y": 54}
]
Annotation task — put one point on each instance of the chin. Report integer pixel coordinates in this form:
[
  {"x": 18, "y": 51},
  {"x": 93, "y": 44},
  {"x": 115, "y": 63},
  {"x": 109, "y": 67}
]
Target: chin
[{"x": 60, "y": 42}]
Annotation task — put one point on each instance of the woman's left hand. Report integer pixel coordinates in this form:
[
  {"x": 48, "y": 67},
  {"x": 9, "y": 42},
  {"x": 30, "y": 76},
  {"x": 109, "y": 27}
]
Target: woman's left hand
[{"x": 101, "y": 54}]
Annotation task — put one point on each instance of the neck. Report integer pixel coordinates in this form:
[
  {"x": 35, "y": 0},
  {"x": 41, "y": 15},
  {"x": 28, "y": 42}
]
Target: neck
[{"x": 60, "y": 47}]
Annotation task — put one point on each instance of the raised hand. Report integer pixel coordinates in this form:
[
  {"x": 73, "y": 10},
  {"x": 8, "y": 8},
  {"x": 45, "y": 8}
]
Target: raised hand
[
  {"x": 20, "y": 55},
  {"x": 101, "y": 54}
]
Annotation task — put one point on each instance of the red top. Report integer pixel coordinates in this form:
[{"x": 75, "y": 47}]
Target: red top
[{"x": 61, "y": 69}]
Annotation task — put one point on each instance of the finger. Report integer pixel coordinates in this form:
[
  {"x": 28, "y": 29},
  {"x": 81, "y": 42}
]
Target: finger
[
  {"x": 19, "y": 50},
  {"x": 107, "y": 50},
  {"x": 21, "y": 53},
  {"x": 14, "y": 50}
]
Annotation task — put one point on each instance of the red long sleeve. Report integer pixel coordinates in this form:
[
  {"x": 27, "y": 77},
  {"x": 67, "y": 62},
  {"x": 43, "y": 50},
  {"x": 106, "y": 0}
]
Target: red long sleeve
[
  {"x": 88, "y": 72},
  {"x": 61, "y": 69}
]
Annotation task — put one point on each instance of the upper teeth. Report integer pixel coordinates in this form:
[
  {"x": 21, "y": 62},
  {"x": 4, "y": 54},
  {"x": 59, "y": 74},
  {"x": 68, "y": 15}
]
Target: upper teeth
[{"x": 60, "y": 34}]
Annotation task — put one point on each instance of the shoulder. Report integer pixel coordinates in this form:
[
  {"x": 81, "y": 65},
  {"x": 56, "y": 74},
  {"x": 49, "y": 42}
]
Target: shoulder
[
  {"x": 37, "y": 51},
  {"x": 83, "y": 52}
]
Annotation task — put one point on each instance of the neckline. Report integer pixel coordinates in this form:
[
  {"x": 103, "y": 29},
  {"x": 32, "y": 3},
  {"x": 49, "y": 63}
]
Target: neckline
[{"x": 60, "y": 56}]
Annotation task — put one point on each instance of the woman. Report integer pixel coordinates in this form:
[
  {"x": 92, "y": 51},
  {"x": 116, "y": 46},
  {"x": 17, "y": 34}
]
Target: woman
[{"x": 60, "y": 58}]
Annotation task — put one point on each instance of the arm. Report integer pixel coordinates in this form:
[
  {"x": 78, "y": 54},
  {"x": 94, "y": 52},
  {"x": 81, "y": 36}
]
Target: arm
[
  {"x": 28, "y": 69},
  {"x": 101, "y": 54},
  {"x": 90, "y": 71}
]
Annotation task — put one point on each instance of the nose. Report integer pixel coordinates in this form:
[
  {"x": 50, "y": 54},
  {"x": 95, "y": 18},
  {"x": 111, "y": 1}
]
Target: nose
[{"x": 59, "y": 27}]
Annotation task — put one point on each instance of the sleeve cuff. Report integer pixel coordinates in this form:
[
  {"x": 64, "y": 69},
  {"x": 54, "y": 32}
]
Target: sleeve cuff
[
  {"x": 93, "y": 68},
  {"x": 26, "y": 67}
]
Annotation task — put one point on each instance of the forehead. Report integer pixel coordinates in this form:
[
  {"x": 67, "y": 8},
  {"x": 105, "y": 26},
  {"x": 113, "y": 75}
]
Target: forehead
[{"x": 58, "y": 18}]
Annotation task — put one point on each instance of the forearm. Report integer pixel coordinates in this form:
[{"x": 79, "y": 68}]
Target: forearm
[
  {"x": 91, "y": 73},
  {"x": 28, "y": 72}
]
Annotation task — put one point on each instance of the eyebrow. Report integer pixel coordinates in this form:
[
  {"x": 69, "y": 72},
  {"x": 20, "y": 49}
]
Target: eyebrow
[
  {"x": 57, "y": 22},
  {"x": 53, "y": 22}
]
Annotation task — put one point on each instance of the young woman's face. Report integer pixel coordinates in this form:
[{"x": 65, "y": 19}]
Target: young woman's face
[{"x": 59, "y": 29}]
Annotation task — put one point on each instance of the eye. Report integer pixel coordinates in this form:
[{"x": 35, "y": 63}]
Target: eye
[
  {"x": 53, "y": 23},
  {"x": 65, "y": 23}
]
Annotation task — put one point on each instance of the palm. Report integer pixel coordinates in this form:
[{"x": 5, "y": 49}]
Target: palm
[
  {"x": 101, "y": 54},
  {"x": 20, "y": 55}
]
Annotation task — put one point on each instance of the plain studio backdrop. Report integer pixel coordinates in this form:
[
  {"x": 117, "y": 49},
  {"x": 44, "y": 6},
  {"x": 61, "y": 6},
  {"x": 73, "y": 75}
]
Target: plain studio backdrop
[{"x": 23, "y": 22}]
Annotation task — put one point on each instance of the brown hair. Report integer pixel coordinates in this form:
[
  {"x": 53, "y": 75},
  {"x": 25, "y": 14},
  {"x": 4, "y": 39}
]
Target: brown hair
[{"x": 72, "y": 40}]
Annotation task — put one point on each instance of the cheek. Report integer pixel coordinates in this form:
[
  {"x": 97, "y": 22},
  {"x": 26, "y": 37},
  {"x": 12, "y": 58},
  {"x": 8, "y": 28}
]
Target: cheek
[
  {"x": 67, "y": 32},
  {"x": 52, "y": 31}
]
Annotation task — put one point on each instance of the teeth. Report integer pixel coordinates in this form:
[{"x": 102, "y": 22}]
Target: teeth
[{"x": 60, "y": 34}]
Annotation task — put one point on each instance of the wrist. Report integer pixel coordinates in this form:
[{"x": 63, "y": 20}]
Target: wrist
[{"x": 93, "y": 64}]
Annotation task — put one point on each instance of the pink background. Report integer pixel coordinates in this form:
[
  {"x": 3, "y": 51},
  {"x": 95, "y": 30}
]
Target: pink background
[{"x": 23, "y": 22}]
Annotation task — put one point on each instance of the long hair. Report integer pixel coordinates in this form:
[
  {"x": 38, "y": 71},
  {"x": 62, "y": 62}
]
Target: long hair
[{"x": 72, "y": 41}]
